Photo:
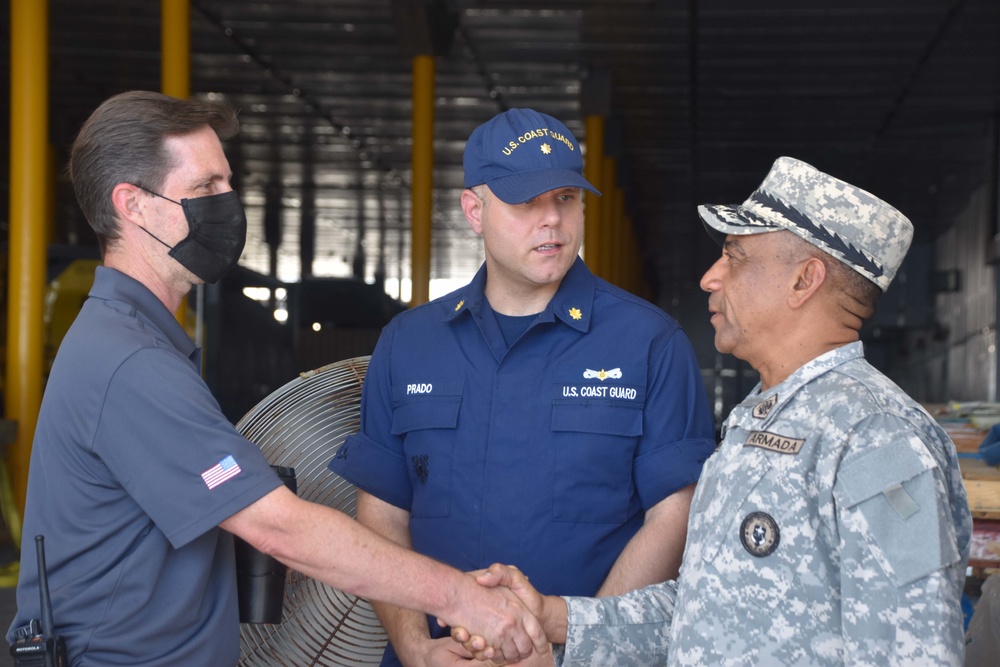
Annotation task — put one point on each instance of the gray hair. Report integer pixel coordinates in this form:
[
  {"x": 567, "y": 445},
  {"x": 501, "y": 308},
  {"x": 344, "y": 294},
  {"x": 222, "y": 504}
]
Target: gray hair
[{"x": 856, "y": 294}]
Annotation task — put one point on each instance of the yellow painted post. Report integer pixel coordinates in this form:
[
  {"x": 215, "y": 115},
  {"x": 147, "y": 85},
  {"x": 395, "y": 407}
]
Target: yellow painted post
[
  {"x": 175, "y": 69},
  {"x": 618, "y": 239},
  {"x": 29, "y": 156},
  {"x": 422, "y": 165},
  {"x": 631, "y": 257},
  {"x": 175, "y": 47},
  {"x": 594, "y": 127},
  {"x": 609, "y": 178}
]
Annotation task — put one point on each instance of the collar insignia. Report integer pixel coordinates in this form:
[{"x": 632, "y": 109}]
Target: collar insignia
[
  {"x": 575, "y": 313},
  {"x": 602, "y": 375},
  {"x": 459, "y": 305},
  {"x": 763, "y": 408}
]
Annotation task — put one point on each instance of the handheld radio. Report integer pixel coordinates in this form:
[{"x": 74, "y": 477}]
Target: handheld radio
[{"x": 37, "y": 645}]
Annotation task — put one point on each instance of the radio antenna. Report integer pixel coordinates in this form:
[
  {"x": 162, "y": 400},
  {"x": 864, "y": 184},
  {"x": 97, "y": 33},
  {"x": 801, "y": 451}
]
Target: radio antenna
[{"x": 48, "y": 624}]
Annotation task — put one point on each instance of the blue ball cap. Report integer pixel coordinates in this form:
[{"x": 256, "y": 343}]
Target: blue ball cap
[{"x": 521, "y": 153}]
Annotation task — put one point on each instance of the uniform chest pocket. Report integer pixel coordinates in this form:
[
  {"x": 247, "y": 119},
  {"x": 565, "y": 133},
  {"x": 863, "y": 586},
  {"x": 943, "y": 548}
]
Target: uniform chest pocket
[
  {"x": 743, "y": 532},
  {"x": 594, "y": 446},
  {"x": 427, "y": 425}
]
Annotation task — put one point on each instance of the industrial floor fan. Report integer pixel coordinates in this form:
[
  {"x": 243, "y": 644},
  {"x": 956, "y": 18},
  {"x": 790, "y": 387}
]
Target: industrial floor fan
[{"x": 301, "y": 425}]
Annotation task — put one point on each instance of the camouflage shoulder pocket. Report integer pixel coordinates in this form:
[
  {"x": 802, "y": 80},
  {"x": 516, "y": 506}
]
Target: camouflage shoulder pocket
[{"x": 895, "y": 491}]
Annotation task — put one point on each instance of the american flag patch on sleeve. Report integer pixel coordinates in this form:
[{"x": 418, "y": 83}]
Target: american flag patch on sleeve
[{"x": 225, "y": 469}]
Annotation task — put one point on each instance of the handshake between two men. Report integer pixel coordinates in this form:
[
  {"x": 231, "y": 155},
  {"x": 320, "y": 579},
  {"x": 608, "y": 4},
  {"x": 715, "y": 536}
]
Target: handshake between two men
[{"x": 549, "y": 610}]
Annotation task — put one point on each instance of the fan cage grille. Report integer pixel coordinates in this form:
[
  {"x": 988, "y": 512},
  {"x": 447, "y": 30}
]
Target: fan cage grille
[{"x": 301, "y": 425}]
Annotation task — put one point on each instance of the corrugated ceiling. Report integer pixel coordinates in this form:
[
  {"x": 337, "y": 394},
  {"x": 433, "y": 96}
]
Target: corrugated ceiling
[{"x": 898, "y": 96}]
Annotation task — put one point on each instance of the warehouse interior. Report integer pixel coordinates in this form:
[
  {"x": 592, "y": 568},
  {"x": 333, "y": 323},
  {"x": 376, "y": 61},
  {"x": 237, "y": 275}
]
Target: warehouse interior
[{"x": 696, "y": 98}]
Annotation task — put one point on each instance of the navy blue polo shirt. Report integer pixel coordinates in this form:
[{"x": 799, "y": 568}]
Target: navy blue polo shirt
[
  {"x": 133, "y": 468},
  {"x": 545, "y": 454}
]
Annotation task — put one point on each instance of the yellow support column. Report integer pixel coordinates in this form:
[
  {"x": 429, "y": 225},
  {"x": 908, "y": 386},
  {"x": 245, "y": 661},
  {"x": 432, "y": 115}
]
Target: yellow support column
[
  {"x": 175, "y": 69},
  {"x": 609, "y": 178},
  {"x": 175, "y": 47},
  {"x": 422, "y": 166},
  {"x": 29, "y": 125},
  {"x": 617, "y": 236},
  {"x": 631, "y": 258},
  {"x": 594, "y": 127}
]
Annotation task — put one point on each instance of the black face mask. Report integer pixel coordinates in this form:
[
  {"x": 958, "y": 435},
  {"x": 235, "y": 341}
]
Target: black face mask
[{"x": 217, "y": 232}]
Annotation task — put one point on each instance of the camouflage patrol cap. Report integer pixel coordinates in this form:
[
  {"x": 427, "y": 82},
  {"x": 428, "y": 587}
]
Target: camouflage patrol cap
[{"x": 846, "y": 222}]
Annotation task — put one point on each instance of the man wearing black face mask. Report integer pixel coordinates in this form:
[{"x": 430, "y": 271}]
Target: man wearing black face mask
[
  {"x": 137, "y": 480},
  {"x": 217, "y": 231}
]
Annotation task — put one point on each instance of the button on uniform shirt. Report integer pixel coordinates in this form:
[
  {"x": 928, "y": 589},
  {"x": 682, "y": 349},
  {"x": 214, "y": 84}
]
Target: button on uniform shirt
[
  {"x": 545, "y": 454},
  {"x": 831, "y": 528}
]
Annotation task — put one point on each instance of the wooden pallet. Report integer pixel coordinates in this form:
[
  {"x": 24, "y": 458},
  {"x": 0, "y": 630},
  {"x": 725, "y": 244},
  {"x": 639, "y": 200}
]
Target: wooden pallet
[{"x": 982, "y": 483}]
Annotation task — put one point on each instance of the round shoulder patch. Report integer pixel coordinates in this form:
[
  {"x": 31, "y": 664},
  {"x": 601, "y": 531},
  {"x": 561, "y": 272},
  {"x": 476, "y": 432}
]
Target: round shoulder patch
[{"x": 759, "y": 534}]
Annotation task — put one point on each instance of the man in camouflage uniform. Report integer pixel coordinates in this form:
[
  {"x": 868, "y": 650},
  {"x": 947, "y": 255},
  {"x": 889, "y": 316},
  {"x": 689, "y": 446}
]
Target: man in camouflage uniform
[{"x": 831, "y": 526}]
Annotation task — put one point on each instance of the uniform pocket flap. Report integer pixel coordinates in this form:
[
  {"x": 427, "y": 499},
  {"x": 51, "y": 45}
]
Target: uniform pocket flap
[
  {"x": 425, "y": 413},
  {"x": 891, "y": 499},
  {"x": 604, "y": 417},
  {"x": 879, "y": 471}
]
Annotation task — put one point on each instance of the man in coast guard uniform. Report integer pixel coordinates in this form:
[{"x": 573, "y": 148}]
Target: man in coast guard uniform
[
  {"x": 538, "y": 416},
  {"x": 832, "y": 526}
]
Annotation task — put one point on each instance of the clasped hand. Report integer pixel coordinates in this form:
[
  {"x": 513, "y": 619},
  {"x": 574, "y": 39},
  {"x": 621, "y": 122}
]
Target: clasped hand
[{"x": 476, "y": 646}]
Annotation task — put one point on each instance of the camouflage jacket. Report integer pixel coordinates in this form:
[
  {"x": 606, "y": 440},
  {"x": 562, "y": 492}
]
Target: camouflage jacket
[{"x": 831, "y": 527}]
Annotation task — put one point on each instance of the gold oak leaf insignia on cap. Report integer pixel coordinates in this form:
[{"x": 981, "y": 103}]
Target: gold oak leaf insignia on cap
[
  {"x": 546, "y": 149},
  {"x": 575, "y": 313},
  {"x": 459, "y": 304}
]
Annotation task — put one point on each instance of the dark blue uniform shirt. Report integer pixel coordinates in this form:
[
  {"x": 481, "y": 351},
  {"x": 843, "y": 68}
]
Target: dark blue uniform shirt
[
  {"x": 128, "y": 441},
  {"x": 544, "y": 455}
]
